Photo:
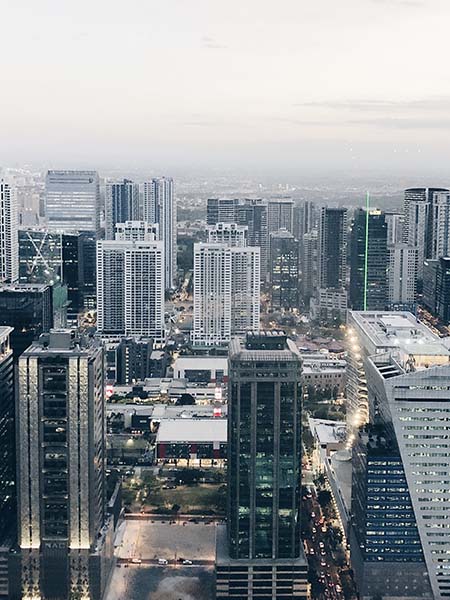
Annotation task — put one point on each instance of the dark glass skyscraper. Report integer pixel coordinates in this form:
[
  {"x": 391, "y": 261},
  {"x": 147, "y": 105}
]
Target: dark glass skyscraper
[
  {"x": 283, "y": 270},
  {"x": 28, "y": 308},
  {"x": 7, "y": 448},
  {"x": 122, "y": 204},
  {"x": 263, "y": 555},
  {"x": 332, "y": 261},
  {"x": 369, "y": 261},
  {"x": 443, "y": 289}
]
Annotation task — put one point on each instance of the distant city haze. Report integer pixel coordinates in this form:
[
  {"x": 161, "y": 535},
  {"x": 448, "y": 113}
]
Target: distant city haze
[{"x": 291, "y": 86}]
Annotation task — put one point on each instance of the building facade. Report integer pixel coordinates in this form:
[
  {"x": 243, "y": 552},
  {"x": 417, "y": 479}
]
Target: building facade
[
  {"x": 369, "y": 261},
  {"x": 130, "y": 289},
  {"x": 230, "y": 234},
  {"x": 226, "y": 292},
  {"x": 283, "y": 272},
  {"x": 9, "y": 243},
  {"x": 402, "y": 271},
  {"x": 121, "y": 204},
  {"x": 72, "y": 201},
  {"x": 332, "y": 263},
  {"x": 159, "y": 206},
  {"x": 64, "y": 539},
  {"x": 262, "y": 554}
]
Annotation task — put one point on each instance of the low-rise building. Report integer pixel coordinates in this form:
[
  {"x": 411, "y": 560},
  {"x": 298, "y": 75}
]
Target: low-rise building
[
  {"x": 201, "y": 369},
  {"x": 196, "y": 442},
  {"x": 324, "y": 372}
]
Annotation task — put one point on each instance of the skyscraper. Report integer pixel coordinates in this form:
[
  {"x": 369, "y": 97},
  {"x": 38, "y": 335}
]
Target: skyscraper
[
  {"x": 402, "y": 274},
  {"x": 73, "y": 201},
  {"x": 262, "y": 553},
  {"x": 7, "y": 437},
  {"x": 28, "y": 308},
  {"x": 121, "y": 204},
  {"x": 65, "y": 539},
  {"x": 332, "y": 262},
  {"x": 159, "y": 206},
  {"x": 228, "y": 233},
  {"x": 280, "y": 214},
  {"x": 309, "y": 264},
  {"x": 439, "y": 226},
  {"x": 9, "y": 243},
  {"x": 130, "y": 288},
  {"x": 221, "y": 210},
  {"x": 369, "y": 261},
  {"x": 283, "y": 271},
  {"x": 136, "y": 231},
  {"x": 418, "y": 222},
  {"x": 442, "y": 301},
  {"x": 226, "y": 292},
  {"x": 399, "y": 541}
]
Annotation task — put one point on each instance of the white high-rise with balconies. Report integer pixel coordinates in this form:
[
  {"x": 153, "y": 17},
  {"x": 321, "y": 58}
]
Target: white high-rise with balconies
[
  {"x": 159, "y": 206},
  {"x": 9, "y": 232},
  {"x": 130, "y": 288},
  {"x": 226, "y": 292},
  {"x": 230, "y": 234}
]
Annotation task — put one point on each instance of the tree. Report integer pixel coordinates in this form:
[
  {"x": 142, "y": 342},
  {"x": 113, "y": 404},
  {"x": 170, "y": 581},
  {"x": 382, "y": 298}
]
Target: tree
[
  {"x": 324, "y": 498},
  {"x": 185, "y": 400},
  {"x": 189, "y": 476}
]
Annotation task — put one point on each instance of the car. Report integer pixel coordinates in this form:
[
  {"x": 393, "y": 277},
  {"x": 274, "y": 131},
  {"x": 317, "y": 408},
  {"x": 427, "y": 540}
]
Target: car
[
  {"x": 163, "y": 561},
  {"x": 338, "y": 588},
  {"x": 311, "y": 551},
  {"x": 313, "y": 514},
  {"x": 187, "y": 562},
  {"x": 324, "y": 529},
  {"x": 322, "y": 552},
  {"x": 323, "y": 563},
  {"x": 321, "y": 545},
  {"x": 314, "y": 530},
  {"x": 136, "y": 561}
]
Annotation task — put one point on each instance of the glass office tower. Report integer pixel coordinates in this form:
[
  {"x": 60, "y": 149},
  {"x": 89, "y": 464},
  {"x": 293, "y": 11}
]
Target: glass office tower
[{"x": 262, "y": 554}]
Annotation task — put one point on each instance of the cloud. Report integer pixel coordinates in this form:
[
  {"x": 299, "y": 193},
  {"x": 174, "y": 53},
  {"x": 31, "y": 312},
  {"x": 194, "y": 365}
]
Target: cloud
[
  {"x": 209, "y": 42},
  {"x": 426, "y": 104},
  {"x": 413, "y": 3},
  {"x": 407, "y": 123}
]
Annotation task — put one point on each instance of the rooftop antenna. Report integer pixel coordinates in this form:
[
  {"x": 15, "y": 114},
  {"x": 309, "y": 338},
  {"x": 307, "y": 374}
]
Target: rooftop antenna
[{"x": 366, "y": 253}]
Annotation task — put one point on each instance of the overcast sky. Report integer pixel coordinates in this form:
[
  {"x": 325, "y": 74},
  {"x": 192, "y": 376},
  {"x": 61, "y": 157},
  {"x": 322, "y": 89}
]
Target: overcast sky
[{"x": 324, "y": 84}]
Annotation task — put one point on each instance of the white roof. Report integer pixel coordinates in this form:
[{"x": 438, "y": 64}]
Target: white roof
[
  {"x": 192, "y": 430},
  {"x": 201, "y": 362},
  {"x": 328, "y": 432}
]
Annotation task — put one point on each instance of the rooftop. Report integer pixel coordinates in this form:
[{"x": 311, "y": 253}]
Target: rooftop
[
  {"x": 328, "y": 432},
  {"x": 391, "y": 330}
]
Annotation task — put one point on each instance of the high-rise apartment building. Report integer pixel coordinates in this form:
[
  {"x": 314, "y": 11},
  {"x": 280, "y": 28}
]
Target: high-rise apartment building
[
  {"x": 130, "y": 288},
  {"x": 136, "y": 231},
  {"x": 159, "y": 206},
  {"x": 226, "y": 292},
  {"x": 251, "y": 213},
  {"x": 121, "y": 204},
  {"x": 419, "y": 222},
  {"x": 439, "y": 226},
  {"x": 332, "y": 262},
  {"x": 230, "y": 234},
  {"x": 72, "y": 201},
  {"x": 261, "y": 555},
  {"x": 28, "y": 308},
  {"x": 402, "y": 274},
  {"x": 369, "y": 261},
  {"x": 283, "y": 271},
  {"x": 9, "y": 244},
  {"x": 401, "y": 494},
  {"x": 64, "y": 536}
]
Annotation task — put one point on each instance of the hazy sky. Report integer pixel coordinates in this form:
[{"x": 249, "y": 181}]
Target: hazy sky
[{"x": 301, "y": 83}]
